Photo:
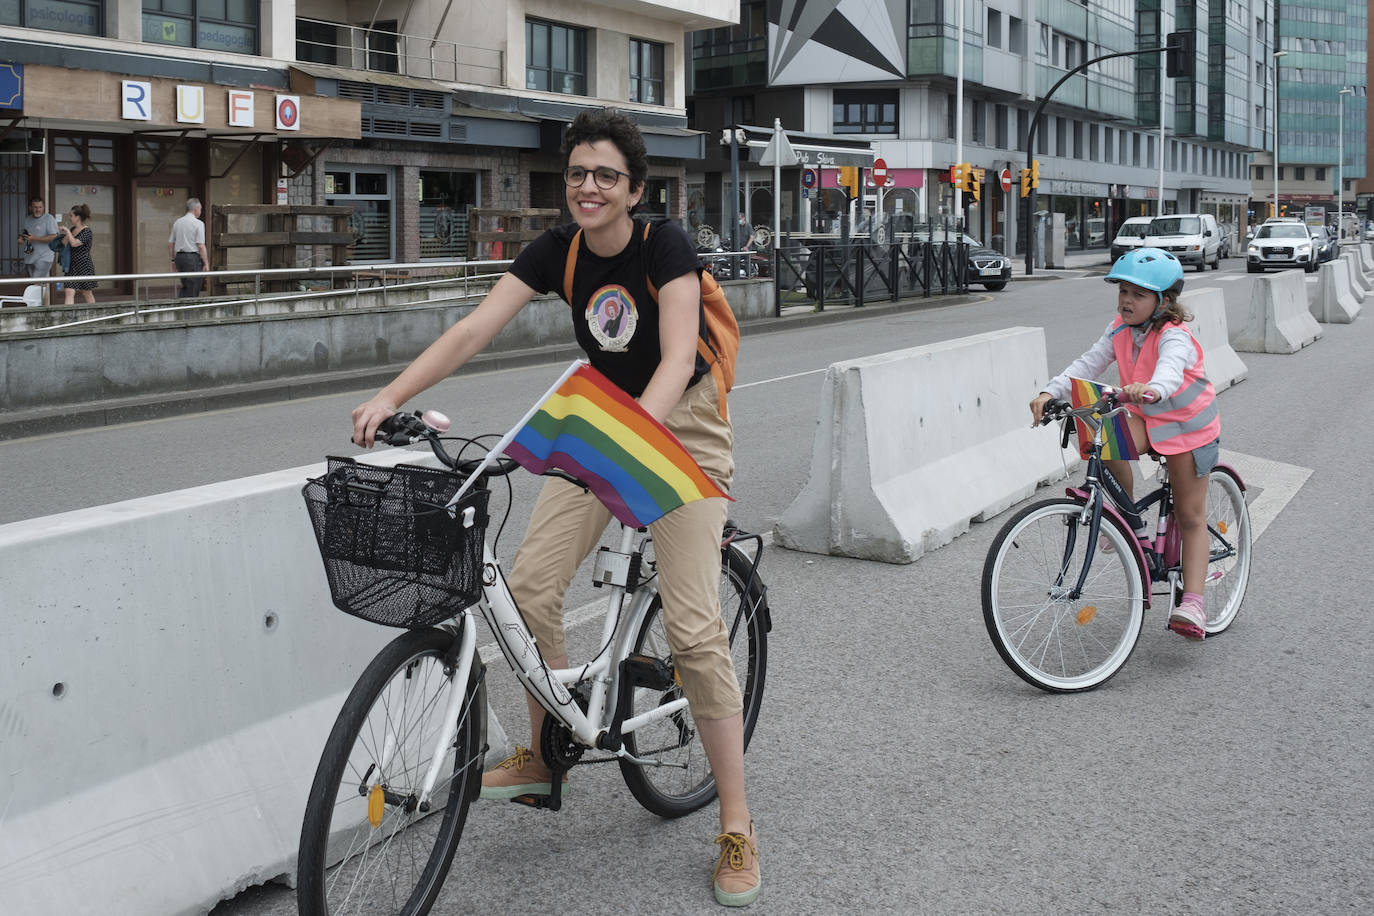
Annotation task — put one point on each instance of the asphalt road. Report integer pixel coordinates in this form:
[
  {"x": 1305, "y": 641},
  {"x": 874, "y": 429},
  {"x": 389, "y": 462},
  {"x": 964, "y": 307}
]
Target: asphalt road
[{"x": 898, "y": 765}]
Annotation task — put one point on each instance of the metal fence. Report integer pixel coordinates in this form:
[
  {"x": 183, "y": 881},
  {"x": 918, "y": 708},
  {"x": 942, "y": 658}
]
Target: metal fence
[{"x": 828, "y": 273}]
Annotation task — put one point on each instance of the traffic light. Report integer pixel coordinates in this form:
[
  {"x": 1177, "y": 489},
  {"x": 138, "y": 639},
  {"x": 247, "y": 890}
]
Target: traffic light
[
  {"x": 1030, "y": 178},
  {"x": 1179, "y": 54},
  {"x": 849, "y": 179},
  {"x": 1035, "y": 174},
  {"x": 958, "y": 176},
  {"x": 975, "y": 184}
]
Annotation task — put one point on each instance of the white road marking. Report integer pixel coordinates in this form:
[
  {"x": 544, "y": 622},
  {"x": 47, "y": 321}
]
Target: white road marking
[{"x": 1278, "y": 483}]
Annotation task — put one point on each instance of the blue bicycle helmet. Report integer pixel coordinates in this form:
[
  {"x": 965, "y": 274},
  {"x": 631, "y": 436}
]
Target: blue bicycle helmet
[{"x": 1149, "y": 268}]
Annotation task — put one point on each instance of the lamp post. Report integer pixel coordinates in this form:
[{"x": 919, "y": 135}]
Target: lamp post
[
  {"x": 1340, "y": 166},
  {"x": 1277, "y": 55}
]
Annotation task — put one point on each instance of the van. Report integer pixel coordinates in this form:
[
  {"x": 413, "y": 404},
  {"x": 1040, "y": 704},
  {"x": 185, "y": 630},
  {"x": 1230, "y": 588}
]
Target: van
[
  {"x": 1130, "y": 234},
  {"x": 1193, "y": 238}
]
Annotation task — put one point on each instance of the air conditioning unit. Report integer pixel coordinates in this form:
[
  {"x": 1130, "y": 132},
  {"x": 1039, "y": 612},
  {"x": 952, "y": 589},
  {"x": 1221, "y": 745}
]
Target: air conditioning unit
[{"x": 23, "y": 143}]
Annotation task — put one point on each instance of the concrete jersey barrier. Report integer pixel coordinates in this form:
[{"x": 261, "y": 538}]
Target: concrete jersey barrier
[
  {"x": 1279, "y": 320},
  {"x": 173, "y": 667},
  {"x": 1358, "y": 281},
  {"x": 1208, "y": 306},
  {"x": 911, "y": 446},
  {"x": 1335, "y": 301}
]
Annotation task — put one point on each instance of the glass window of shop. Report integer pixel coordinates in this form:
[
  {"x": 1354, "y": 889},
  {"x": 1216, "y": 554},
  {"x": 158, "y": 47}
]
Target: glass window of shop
[
  {"x": 80, "y": 17},
  {"x": 84, "y": 172},
  {"x": 367, "y": 190},
  {"x": 162, "y": 183},
  {"x": 445, "y": 198},
  {"x": 217, "y": 25},
  {"x": 653, "y": 204},
  {"x": 1072, "y": 209}
]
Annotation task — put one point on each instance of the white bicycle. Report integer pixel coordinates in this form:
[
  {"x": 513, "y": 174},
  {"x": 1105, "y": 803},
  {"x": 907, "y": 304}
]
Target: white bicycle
[{"x": 406, "y": 546}]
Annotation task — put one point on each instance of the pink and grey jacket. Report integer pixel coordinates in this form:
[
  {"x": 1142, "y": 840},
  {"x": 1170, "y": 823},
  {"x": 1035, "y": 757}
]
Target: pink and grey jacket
[{"x": 1184, "y": 420}]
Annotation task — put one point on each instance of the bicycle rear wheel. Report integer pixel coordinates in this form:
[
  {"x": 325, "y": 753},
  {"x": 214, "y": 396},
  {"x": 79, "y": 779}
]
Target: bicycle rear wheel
[
  {"x": 683, "y": 781},
  {"x": 365, "y": 847},
  {"x": 1228, "y": 566},
  {"x": 1052, "y": 639}
]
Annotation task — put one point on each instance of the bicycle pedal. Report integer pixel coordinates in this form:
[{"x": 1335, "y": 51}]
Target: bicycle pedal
[
  {"x": 544, "y": 802},
  {"x": 647, "y": 671}
]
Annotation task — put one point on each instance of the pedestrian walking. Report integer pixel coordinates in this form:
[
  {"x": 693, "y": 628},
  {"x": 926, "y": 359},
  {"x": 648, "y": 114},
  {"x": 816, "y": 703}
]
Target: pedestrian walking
[
  {"x": 186, "y": 247},
  {"x": 79, "y": 240}
]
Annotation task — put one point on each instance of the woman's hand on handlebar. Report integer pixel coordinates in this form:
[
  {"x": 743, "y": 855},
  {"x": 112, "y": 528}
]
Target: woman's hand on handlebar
[
  {"x": 367, "y": 417},
  {"x": 1037, "y": 407}
]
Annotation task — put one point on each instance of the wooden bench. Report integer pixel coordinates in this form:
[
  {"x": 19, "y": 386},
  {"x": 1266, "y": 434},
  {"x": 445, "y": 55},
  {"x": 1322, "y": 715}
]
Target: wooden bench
[{"x": 373, "y": 277}]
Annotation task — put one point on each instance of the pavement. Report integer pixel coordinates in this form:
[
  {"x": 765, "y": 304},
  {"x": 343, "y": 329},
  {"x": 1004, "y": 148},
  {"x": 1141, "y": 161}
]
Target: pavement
[{"x": 85, "y": 415}]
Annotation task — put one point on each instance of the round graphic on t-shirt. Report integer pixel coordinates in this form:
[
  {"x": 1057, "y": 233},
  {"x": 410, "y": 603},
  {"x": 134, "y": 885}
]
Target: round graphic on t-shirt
[{"x": 611, "y": 317}]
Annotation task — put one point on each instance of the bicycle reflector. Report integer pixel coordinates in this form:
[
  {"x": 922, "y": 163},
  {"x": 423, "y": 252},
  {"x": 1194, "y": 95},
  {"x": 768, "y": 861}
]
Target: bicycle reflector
[
  {"x": 1086, "y": 615},
  {"x": 376, "y": 805}
]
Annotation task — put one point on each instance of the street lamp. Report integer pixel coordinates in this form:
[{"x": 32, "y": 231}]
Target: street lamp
[
  {"x": 1340, "y": 166},
  {"x": 1277, "y": 55}
]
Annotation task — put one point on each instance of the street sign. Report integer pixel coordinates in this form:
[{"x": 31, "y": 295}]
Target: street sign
[
  {"x": 809, "y": 178},
  {"x": 779, "y": 152},
  {"x": 1006, "y": 179},
  {"x": 879, "y": 172}
]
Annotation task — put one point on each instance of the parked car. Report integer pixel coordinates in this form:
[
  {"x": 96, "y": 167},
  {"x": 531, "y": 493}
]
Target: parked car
[
  {"x": 1193, "y": 238},
  {"x": 986, "y": 266},
  {"x": 1226, "y": 244},
  {"x": 1369, "y": 232},
  {"x": 1281, "y": 244},
  {"x": 1130, "y": 234}
]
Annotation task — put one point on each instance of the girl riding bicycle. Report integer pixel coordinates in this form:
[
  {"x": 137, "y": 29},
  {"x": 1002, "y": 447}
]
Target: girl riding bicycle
[
  {"x": 1173, "y": 410},
  {"x": 650, "y": 351}
]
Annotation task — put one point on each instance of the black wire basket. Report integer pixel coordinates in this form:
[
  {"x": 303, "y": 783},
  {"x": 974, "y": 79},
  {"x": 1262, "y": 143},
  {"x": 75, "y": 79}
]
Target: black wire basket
[{"x": 393, "y": 553}]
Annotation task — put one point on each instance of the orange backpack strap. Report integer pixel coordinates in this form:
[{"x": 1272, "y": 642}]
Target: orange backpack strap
[{"x": 570, "y": 266}]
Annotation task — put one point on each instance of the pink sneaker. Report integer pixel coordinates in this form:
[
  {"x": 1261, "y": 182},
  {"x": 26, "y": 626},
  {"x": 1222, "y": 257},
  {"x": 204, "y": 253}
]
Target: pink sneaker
[{"x": 1188, "y": 619}]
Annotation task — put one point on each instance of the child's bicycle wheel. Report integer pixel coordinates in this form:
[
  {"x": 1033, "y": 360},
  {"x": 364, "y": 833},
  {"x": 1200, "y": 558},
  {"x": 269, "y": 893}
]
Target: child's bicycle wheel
[
  {"x": 1053, "y": 639},
  {"x": 366, "y": 846},
  {"x": 1228, "y": 566}
]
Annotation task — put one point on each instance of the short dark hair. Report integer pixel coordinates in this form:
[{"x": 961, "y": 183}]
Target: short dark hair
[
  {"x": 36, "y": 199},
  {"x": 616, "y": 126}
]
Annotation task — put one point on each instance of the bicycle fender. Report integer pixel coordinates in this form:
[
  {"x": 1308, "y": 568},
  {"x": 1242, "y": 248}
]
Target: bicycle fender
[
  {"x": 1232, "y": 473},
  {"x": 1142, "y": 567}
]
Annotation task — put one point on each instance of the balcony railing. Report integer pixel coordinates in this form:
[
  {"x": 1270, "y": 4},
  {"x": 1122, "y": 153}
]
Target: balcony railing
[{"x": 381, "y": 51}]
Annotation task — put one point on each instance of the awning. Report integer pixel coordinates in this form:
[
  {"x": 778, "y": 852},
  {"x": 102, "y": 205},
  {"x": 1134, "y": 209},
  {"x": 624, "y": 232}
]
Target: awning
[{"x": 814, "y": 149}]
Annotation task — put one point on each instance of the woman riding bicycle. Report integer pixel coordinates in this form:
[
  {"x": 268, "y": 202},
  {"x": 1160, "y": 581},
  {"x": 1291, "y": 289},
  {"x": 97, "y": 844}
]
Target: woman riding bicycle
[
  {"x": 1173, "y": 409},
  {"x": 651, "y": 353}
]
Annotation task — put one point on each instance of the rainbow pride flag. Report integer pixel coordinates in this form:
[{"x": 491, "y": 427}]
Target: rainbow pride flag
[
  {"x": 1117, "y": 441},
  {"x": 596, "y": 432}
]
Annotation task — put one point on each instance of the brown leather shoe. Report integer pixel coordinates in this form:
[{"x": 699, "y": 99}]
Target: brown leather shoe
[
  {"x": 519, "y": 774},
  {"x": 737, "y": 878}
]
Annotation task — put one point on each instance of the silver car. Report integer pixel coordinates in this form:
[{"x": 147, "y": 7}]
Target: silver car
[{"x": 1281, "y": 245}]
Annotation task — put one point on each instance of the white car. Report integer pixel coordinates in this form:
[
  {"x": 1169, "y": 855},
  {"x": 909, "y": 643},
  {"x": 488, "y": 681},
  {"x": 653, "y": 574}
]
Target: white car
[{"x": 1281, "y": 244}]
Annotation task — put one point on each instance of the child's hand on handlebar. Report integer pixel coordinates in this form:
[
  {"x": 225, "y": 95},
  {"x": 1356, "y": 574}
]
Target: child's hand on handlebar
[{"x": 1139, "y": 393}]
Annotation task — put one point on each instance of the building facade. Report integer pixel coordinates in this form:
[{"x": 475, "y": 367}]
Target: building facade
[
  {"x": 890, "y": 74},
  {"x": 1322, "y": 48},
  {"x": 409, "y": 113}
]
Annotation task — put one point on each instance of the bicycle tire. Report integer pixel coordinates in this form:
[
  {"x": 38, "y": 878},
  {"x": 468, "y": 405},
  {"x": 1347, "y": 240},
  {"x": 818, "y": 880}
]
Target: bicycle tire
[
  {"x": 347, "y": 864},
  {"x": 1059, "y": 643},
  {"x": 1228, "y": 572},
  {"x": 686, "y": 783}
]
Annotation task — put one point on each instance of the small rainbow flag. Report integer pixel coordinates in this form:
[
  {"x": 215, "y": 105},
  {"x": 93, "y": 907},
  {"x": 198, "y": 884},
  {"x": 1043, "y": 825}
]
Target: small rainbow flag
[
  {"x": 596, "y": 432},
  {"x": 1117, "y": 442}
]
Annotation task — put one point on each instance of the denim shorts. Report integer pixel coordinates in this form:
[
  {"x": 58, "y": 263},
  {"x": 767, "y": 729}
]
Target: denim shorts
[{"x": 1205, "y": 457}]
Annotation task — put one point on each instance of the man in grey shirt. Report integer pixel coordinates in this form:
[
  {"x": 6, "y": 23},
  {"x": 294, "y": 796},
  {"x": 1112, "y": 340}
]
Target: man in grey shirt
[
  {"x": 187, "y": 248},
  {"x": 39, "y": 229}
]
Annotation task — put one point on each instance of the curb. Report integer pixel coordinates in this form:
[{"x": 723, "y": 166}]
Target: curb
[{"x": 22, "y": 424}]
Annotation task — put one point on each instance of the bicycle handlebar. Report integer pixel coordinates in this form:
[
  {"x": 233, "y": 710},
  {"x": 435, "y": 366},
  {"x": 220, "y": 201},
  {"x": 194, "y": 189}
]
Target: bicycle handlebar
[{"x": 406, "y": 428}]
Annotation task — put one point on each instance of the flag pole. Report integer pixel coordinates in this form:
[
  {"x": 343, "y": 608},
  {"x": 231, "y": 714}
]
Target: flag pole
[{"x": 498, "y": 450}]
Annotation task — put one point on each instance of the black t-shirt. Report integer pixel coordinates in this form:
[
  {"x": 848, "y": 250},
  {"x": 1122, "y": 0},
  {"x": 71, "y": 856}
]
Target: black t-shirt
[{"x": 614, "y": 316}]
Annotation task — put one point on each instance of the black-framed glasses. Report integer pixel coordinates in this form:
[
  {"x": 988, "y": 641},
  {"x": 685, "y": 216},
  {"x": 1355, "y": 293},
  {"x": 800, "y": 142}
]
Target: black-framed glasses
[{"x": 574, "y": 176}]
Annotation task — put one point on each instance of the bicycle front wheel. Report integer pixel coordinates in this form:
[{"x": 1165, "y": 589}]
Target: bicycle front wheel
[
  {"x": 1053, "y": 638},
  {"x": 366, "y": 847},
  {"x": 679, "y": 780},
  {"x": 1228, "y": 563}
]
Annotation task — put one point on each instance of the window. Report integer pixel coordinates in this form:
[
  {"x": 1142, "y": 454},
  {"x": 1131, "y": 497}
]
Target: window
[
  {"x": 317, "y": 42},
  {"x": 555, "y": 57},
  {"x": 866, "y": 111},
  {"x": 368, "y": 191},
  {"x": 1016, "y": 35},
  {"x": 219, "y": 25},
  {"x": 993, "y": 36},
  {"x": 382, "y": 47},
  {"x": 80, "y": 17},
  {"x": 1320, "y": 176},
  {"x": 1299, "y": 174},
  {"x": 999, "y": 126},
  {"x": 445, "y": 198},
  {"x": 646, "y": 72}
]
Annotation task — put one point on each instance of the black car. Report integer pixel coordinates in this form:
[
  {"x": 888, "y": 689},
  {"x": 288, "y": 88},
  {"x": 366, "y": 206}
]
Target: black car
[
  {"x": 986, "y": 266},
  {"x": 1328, "y": 246}
]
